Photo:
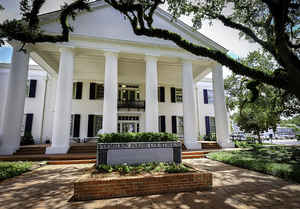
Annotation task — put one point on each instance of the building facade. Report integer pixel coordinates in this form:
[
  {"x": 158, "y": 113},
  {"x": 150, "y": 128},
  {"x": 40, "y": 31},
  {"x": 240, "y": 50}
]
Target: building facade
[{"x": 106, "y": 78}]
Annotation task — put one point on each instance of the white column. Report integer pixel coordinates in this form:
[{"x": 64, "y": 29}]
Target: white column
[
  {"x": 189, "y": 109},
  {"x": 63, "y": 104},
  {"x": 110, "y": 106},
  {"x": 13, "y": 111},
  {"x": 220, "y": 108},
  {"x": 151, "y": 114}
]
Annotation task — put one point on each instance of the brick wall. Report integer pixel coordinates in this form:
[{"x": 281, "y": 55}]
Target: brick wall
[{"x": 90, "y": 189}]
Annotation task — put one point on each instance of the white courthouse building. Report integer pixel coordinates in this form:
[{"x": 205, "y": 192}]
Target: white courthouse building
[{"x": 107, "y": 78}]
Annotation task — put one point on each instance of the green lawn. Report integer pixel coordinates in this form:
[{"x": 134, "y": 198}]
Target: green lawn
[
  {"x": 11, "y": 169},
  {"x": 278, "y": 161}
]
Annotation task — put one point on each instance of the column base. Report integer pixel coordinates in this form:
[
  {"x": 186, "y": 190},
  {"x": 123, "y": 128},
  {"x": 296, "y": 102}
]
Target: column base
[
  {"x": 193, "y": 145},
  {"x": 57, "y": 149},
  {"x": 8, "y": 150}
]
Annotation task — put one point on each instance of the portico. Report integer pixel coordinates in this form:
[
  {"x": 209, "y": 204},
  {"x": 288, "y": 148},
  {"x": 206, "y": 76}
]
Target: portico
[{"x": 158, "y": 78}]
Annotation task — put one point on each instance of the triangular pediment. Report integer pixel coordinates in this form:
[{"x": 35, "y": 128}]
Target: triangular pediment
[{"x": 104, "y": 22}]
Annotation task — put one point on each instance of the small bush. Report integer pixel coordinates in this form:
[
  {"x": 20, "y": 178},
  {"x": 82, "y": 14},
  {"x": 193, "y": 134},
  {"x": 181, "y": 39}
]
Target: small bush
[
  {"x": 144, "y": 167},
  {"x": 136, "y": 137},
  {"x": 11, "y": 169}
]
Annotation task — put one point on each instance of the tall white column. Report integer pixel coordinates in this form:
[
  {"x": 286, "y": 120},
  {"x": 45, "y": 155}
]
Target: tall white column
[
  {"x": 220, "y": 109},
  {"x": 63, "y": 104},
  {"x": 189, "y": 109},
  {"x": 151, "y": 120},
  {"x": 110, "y": 106},
  {"x": 13, "y": 111}
]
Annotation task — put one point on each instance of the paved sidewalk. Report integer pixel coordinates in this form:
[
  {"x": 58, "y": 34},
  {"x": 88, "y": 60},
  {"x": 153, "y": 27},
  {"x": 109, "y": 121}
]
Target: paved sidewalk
[{"x": 51, "y": 187}]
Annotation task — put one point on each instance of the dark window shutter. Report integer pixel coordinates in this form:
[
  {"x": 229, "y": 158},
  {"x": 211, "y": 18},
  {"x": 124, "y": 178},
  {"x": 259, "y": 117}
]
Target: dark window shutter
[
  {"x": 162, "y": 119},
  {"x": 78, "y": 90},
  {"x": 161, "y": 94},
  {"x": 207, "y": 125},
  {"x": 205, "y": 96},
  {"x": 92, "y": 90},
  {"x": 76, "y": 125},
  {"x": 174, "y": 124},
  {"x": 173, "y": 95},
  {"x": 91, "y": 126},
  {"x": 28, "y": 123},
  {"x": 32, "y": 88}
]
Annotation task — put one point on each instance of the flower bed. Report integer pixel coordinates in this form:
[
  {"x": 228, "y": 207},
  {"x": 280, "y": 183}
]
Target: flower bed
[{"x": 119, "y": 182}]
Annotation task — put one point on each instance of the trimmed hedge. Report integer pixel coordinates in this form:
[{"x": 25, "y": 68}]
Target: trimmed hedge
[
  {"x": 11, "y": 169},
  {"x": 136, "y": 137}
]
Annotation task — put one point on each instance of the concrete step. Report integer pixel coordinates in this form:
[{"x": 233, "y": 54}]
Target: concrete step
[{"x": 67, "y": 162}]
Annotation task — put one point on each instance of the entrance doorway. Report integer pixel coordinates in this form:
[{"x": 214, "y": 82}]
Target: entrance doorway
[{"x": 128, "y": 124}]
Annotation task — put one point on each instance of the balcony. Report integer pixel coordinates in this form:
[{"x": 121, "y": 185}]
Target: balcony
[{"x": 140, "y": 104}]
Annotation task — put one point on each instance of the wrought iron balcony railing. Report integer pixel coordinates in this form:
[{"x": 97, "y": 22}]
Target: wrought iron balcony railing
[{"x": 140, "y": 104}]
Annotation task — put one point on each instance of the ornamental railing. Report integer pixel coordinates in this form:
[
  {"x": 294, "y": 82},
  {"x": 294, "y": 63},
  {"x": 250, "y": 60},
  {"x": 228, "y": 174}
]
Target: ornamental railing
[{"x": 140, "y": 104}]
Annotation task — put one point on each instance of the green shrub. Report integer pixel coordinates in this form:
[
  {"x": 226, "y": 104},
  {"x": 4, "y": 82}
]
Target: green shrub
[
  {"x": 136, "y": 137},
  {"x": 298, "y": 137},
  {"x": 11, "y": 169},
  {"x": 144, "y": 167},
  {"x": 276, "y": 161}
]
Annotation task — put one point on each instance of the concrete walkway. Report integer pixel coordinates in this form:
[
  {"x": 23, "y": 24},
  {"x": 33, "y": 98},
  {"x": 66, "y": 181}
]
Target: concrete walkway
[{"x": 51, "y": 187}]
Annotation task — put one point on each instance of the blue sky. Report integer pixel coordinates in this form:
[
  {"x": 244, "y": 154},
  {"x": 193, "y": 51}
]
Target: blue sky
[{"x": 5, "y": 54}]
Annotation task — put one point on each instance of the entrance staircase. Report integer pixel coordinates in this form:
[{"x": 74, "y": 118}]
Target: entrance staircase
[
  {"x": 31, "y": 150},
  {"x": 88, "y": 148}
]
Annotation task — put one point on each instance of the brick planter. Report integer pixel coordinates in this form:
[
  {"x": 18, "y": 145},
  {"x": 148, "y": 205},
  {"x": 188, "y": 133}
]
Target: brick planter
[{"x": 92, "y": 188}]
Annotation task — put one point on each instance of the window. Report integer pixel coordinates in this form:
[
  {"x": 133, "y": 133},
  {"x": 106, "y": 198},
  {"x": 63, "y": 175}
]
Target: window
[
  {"x": 31, "y": 88},
  {"x": 26, "y": 126},
  {"x": 77, "y": 90},
  {"x": 178, "y": 95},
  {"x": 210, "y": 124},
  {"x": 128, "y": 93},
  {"x": 94, "y": 125},
  {"x": 96, "y": 91},
  {"x": 162, "y": 123},
  {"x": 75, "y": 125},
  {"x": 161, "y": 94},
  {"x": 208, "y": 96},
  {"x": 180, "y": 128},
  {"x": 177, "y": 125}
]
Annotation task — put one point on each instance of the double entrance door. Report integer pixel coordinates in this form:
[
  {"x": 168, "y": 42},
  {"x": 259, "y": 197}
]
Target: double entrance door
[{"x": 128, "y": 124}]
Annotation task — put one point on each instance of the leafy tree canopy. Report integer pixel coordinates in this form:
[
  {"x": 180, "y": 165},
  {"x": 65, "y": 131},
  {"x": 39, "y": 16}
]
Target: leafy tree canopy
[
  {"x": 27, "y": 30},
  {"x": 273, "y": 24},
  {"x": 269, "y": 107}
]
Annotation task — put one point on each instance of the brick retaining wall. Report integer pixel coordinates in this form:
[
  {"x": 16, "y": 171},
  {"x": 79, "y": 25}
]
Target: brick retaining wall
[{"x": 89, "y": 189}]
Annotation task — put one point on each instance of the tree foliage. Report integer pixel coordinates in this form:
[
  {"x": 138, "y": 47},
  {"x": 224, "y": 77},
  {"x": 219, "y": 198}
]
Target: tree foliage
[
  {"x": 273, "y": 24},
  {"x": 271, "y": 103},
  {"x": 27, "y": 29}
]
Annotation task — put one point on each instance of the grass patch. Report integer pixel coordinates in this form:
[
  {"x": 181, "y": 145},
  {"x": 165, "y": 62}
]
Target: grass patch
[
  {"x": 278, "y": 161},
  {"x": 144, "y": 168},
  {"x": 11, "y": 169}
]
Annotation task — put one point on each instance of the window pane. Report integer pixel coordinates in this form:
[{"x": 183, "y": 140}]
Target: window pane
[
  {"x": 74, "y": 91},
  {"x": 97, "y": 124},
  {"x": 178, "y": 95},
  {"x": 99, "y": 91},
  {"x": 210, "y": 96},
  {"x": 180, "y": 128}
]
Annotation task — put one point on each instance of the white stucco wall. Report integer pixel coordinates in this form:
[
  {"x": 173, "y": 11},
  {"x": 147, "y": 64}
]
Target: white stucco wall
[{"x": 32, "y": 105}]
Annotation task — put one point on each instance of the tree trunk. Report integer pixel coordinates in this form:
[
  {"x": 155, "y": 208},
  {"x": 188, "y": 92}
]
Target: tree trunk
[{"x": 258, "y": 137}]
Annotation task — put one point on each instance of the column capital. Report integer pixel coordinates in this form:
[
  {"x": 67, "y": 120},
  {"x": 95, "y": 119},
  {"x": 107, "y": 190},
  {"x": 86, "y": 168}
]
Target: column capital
[
  {"x": 186, "y": 61},
  {"x": 151, "y": 57},
  {"x": 69, "y": 49},
  {"x": 114, "y": 53}
]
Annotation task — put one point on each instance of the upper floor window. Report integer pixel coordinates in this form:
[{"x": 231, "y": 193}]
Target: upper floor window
[
  {"x": 128, "y": 93},
  {"x": 176, "y": 95},
  {"x": 77, "y": 90},
  {"x": 31, "y": 88},
  {"x": 161, "y": 94},
  {"x": 208, "y": 96},
  {"x": 96, "y": 91}
]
